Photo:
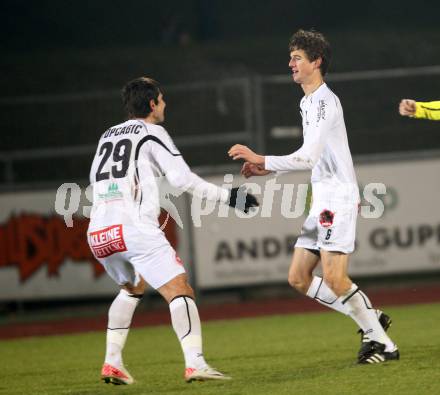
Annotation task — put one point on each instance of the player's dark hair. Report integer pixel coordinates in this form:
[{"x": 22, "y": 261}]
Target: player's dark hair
[
  {"x": 137, "y": 94},
  {"x": 315, "y": 46}
]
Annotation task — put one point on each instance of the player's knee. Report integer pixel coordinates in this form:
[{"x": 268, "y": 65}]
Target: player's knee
[
  {"x": 140, "y": 288},
  {"x": 183, "y": 289},
  {"x": 298, "y": 281},
  {"x": 137, "y": 290},
  {"x": 189, "y": 291}
]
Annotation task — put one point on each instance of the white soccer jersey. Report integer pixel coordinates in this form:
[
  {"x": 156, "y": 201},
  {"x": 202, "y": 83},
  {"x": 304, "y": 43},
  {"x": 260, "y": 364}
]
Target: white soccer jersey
[
  {"x": 130, "y": 162},
  {"x": 325, "y": 149}
]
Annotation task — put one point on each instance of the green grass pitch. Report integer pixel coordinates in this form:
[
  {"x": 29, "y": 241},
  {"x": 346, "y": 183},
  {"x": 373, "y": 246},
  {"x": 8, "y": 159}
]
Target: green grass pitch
[{"x": 311, "y": 353}]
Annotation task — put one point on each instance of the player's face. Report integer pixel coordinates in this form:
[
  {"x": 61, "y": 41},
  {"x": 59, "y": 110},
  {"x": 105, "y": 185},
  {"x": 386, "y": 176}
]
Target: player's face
[
  {"x": 158, "y": 110},
  {"x": 302, "y": 68}
]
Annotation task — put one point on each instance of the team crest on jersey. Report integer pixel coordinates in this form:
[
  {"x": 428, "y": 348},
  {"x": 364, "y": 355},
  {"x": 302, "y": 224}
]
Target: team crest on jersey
[
  {"x": 112, "y": 193},
  {"x": 326, "y": 218},
  {"x": 321, "y": 110},
  {"x": 107, "y": 241}
]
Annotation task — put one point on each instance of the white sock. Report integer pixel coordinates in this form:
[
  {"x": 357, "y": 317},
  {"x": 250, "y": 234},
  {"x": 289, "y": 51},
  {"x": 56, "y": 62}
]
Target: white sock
[
  {"x": 319, "y": 291},
  {"x": 361, "y": 310},
  {"x": 119, "y": 319},
  {"x": 186, "y": 324}
]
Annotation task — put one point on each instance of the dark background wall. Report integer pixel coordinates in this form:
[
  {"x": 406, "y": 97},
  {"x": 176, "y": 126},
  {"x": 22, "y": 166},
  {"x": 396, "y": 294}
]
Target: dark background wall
[
  {"x": 68, "y": 47},
  {"x": 82, "y": 24},
  {"x": 64, "y": 46}
]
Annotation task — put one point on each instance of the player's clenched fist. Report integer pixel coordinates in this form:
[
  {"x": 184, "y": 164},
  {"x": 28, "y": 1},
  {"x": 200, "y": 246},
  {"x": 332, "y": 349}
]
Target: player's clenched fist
[
  {"x": 239, "y": 151},
  {"x": 407, "y": 107},
  {"x": 249, "y": 170}
]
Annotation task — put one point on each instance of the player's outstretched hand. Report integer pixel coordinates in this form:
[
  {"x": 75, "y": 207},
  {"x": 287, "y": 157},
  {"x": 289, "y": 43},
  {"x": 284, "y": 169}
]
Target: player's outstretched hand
[
  {"x": 239, "y": 151},
  {"x": 249, "y": 170},
  {"x": 241, "y": 199},
  {"x": 407, "y": 107}
]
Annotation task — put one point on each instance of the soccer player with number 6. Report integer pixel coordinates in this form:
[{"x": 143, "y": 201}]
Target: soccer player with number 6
[
  {"x": 124, "y": 232},
  {"x": 328, "y": 234}
]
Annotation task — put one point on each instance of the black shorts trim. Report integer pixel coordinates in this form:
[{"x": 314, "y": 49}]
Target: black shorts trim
[{"x": 314, "y": 252}]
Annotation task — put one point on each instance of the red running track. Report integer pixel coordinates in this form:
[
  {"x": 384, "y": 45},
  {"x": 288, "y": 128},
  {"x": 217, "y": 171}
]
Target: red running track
[{"x": 391, "y": 297}]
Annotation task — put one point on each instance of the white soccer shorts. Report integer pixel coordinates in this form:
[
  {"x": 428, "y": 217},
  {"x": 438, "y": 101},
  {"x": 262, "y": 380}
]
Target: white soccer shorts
[
  {"x": 126, "y": 251},
  {"x": 330, "y": 226}
]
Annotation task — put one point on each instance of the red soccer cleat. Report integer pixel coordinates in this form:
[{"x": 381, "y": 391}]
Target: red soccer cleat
[{"x": 116, "y": 376}]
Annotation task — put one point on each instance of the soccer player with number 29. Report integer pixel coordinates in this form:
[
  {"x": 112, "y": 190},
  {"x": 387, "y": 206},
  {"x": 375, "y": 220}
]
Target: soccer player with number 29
[
  {"x": 328, "y": 234},
  {"x": 124, "y": 232}
]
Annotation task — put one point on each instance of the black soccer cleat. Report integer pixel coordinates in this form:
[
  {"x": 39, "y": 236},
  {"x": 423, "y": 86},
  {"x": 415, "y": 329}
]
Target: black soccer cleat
[
  {"x": 376, "y": 354},
  {"x": 384, "y": 320}
]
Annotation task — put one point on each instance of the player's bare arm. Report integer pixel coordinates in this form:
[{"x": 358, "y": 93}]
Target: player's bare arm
[
  {"x": 239, "y": 151},
  {"x": 407, "y": 107}
]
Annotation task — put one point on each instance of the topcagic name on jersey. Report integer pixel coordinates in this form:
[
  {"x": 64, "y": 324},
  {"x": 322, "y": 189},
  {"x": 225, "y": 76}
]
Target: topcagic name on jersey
[{"x": 130, "y": 129}]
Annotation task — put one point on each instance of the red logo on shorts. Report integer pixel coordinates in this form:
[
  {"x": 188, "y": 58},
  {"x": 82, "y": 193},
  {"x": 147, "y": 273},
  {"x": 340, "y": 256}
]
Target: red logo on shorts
[
  {"x": 326, "y": 218},
  {"x": 107, "y": 241}
]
